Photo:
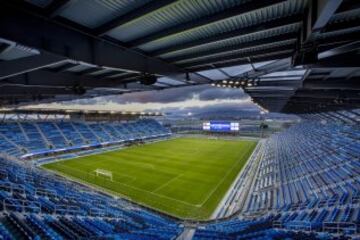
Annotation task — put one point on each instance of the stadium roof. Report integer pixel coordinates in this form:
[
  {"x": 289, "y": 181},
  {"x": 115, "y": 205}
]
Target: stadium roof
[{"x": 288, "y": 55}]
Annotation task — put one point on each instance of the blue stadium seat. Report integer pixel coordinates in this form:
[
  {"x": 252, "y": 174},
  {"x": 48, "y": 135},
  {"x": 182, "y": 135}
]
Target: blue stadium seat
[{"x": 309, "y": 177}]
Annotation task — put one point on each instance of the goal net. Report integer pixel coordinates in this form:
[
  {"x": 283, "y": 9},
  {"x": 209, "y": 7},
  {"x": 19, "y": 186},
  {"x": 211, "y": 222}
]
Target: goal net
[{"x": 103, "y": 172}]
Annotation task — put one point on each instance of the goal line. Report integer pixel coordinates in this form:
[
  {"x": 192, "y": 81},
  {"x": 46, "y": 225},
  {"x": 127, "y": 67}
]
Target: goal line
[{"x": 103, "y": 172}]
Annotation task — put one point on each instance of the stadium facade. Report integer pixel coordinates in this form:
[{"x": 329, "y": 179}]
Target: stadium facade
[{"x": 296, "y": 179}]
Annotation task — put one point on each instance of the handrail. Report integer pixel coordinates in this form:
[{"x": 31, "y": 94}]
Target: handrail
[
  {"x": 339, "y": 227},
  {"x": 24, "y": 204}
]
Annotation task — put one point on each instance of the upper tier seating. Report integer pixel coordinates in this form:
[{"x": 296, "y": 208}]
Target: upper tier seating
[
  {"x": 19, "y": 138},
  {"x": 311, "y": 175},
  {"x": 306, "y": 186}
]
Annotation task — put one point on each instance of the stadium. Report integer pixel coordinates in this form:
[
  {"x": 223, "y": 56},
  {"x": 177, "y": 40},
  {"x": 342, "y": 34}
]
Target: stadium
[{"x": 179, "y": 119}]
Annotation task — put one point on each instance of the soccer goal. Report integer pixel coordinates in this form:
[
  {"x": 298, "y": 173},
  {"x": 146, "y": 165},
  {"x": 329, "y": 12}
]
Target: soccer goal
[{"x": 103, "y": 172}]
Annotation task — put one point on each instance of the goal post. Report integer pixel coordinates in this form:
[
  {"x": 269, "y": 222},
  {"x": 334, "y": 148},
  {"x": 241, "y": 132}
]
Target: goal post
[{"x": 103, "y": 172}]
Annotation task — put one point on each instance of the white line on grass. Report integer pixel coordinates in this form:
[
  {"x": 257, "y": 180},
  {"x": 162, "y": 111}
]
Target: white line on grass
[
  {"x": 148, "y": 165},
  {"x": 161, "y": 195},
  {"x": 219, "y": 183},
  {"x": 91, "y": 172},
  {"x": 227, "y": 195},
  {"x": 139, "y": 189},
  {"x": 167, "y": 183}
]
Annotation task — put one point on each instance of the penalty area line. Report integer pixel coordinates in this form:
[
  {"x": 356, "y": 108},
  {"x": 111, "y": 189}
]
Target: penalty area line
[{"x": 124, "y": 184}]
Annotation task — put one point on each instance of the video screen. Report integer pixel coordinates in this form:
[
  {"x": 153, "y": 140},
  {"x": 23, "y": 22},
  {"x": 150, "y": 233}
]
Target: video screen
[{"x": 220, "y": 126}]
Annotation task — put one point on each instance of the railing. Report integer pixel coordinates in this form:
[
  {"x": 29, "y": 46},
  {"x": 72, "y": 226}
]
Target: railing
[
  {"x": 277, "y": 224},
  {"x": 11, "y": 187},
  {"x": 340, "y": 227},
  {"x": 61, "y": 209},
  {"x": 45, "y": 192},
  {"x": 4, "y": 173},
  {"x": 21, "y": 205},
  {"x": 299, "y": 225}
]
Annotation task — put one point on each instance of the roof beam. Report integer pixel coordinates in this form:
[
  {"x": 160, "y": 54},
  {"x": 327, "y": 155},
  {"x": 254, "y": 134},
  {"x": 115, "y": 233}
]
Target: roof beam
[
  {"x": 63, "y": 67},
  {"x": 131, "y": 16},
  {"x": 350, "y": 61},
  {"x": 348, "y": 6},
  {"x": 105, "y": 75},
  {"x": 338, "y": 26},
  {"x": 276, "y": 23},
  {"x": 330, "y": 93},
  {"x": 353, "y": 46},
  {"x": 45, "y": 80},
  {"x": 273, "y": 50},
  {"x": 319, "y": 15},
  {"x": 57, "y": 6},
  {"x": 270, "y": 89},
  {"x": 226, "y": 14},
  {"x": 21, "y": 91},
  {"x": 274, "y": 66},
  {"x": 235, "y": 62},
  {"x": 246, "y": 45},
  {"x": 17, "y": 26},
  {"x": 281, "y": 77},
  {"x": 58, "y": 79},
  {"x": 28, "y": 64},
  {"x": 284, "y": 83},
  {"x": 325, "y": 9},
  {"x": 3, "y": 47},
  {"x": 239, "y": 55},
  {"x": 88, "y": 71}
]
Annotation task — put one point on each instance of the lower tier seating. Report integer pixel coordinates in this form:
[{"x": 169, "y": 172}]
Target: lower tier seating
[
  {"x": 306, "y": 186},
  {"x": 39, "y": 205}
]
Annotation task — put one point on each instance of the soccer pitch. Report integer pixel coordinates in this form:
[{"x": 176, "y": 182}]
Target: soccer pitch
[{"x": 184, "y": 177}]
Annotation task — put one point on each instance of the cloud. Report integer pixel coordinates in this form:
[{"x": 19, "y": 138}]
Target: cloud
[
  {"x": 203, "y": 92},
  {"x": 228, "y": 108},
  {"x": 179, "y": 100}
]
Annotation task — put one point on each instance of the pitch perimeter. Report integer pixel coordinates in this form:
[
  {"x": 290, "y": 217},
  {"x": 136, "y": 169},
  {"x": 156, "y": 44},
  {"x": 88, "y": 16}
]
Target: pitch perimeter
[{"x": 184, "y": 177}]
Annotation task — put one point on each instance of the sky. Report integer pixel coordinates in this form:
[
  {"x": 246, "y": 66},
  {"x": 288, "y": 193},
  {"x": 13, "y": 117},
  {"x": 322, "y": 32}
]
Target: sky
[{"x": 178, "y": 101}]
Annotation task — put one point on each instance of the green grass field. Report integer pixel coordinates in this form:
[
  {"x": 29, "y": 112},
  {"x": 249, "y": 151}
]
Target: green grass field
[{"x": 185, "y": 177}]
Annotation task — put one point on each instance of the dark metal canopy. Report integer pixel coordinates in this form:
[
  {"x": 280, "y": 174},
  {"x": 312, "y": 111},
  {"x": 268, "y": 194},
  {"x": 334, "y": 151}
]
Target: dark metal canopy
[
  {"x": 288, "y": 55},
  {"x": 50, "y": 111}
]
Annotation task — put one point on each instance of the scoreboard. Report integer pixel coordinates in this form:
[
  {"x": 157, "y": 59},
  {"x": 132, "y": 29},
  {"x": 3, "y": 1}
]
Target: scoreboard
[{"x": 220, "y": 126}]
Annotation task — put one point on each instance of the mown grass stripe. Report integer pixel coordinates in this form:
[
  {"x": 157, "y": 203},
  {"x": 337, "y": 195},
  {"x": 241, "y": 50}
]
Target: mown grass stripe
[{"x": 186, "y": 177}]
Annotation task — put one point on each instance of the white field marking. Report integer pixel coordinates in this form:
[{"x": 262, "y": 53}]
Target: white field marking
[
  {"x": 109, "y": 192},
  {"x": 151, "y": 166},
  {"x": 237, "y": 179},
  {"x": 110, "y": 160},
  {"x": 93, "y": 163},
  {"x": 217, "y": 185},
  {"x": 163, "y": 196},
  {"x": 167, "y": 183},
  {"x": 106, "y": 150},
  {"x": 137, "y": 164},
  {"x": 140, "y": 189},
  {"x": 132, "y": 178}
]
